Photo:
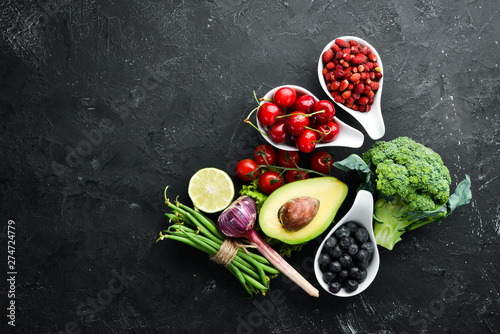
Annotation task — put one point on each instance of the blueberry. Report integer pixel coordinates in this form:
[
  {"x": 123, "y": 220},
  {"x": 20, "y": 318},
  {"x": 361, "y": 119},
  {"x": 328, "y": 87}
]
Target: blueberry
[
  {"x": 344, "y": 273},
  {"x": 342, "y": 231},
  {"x": 361, "y": 235},
  {"x": 368, "y": 246},
  {"x": 363, "y": 264},
  {"x": 328, "y": 277},
  {"x": 334, "y": 287},
  {"x": 324, "y": 259},
  {"x": 345, "y": 260},
  {"x": 335, "y": 267},
  {"x": 353, "y": 249},
  {"x": 354, "y": 272},
  {"x": 344, "y": 243},
  {"x": 362, "y": 276},
  {"x": 361, "y": 255},
  {"x": 323, "y": 268},
  {"x": 352, "y": 227},
  {"x": 351, "y": 285},
  {"x": 335, "y": 252},
  {"x": 330, "y": 243}
]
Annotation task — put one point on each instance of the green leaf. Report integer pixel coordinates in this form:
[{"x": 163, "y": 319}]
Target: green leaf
[
  {"x": 462, "y": 195},
  {"x": 353, "y": 162},
  {"x": 356, "y": 163}
]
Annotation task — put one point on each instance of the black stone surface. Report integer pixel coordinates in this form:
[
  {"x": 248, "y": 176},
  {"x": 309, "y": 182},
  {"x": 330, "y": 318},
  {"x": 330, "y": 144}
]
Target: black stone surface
[{"x": 104, "y": 103}]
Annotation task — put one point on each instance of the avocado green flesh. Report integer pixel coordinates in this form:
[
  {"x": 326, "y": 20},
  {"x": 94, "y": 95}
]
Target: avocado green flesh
[{"x": 328, "y": 190}]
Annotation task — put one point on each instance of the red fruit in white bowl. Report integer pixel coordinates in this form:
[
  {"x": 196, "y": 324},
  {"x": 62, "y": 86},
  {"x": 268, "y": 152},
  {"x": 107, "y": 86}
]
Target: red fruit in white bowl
[
  {"x": 304, "y": 103},
  {"x": 329, "y": 131},
  {"x": 362, "y": 65},
  {"x": 325, "y": 111},
  {"x": 285, "y": 97},
  {"x": 278, "y": 136},
  {"x": 267, "y": 113},
  {"x": 296, "y": 123}
]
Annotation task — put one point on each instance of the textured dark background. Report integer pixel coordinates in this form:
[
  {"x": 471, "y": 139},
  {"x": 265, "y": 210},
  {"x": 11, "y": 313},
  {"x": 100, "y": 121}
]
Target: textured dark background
[{"x": 104, "y": 103}]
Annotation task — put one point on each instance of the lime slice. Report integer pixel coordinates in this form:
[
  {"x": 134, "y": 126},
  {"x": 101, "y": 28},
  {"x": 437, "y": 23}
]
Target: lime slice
[{"x": 211, "y": 190}]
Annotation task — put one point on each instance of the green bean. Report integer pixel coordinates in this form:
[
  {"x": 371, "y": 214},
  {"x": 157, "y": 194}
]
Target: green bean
[
  {"x": 205, "y": 221},
  {"x": 254, "y": 282},
  {"x": 205, "y": 230},
  {"x": 240, "y": 277}
]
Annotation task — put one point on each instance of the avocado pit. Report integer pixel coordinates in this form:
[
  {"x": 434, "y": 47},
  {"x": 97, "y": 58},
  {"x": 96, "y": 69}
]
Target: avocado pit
[{"x": 297, "y": 212}]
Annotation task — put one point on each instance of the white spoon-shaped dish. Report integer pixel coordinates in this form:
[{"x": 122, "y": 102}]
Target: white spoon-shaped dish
[
  {"x": 360, "y": 213},
  {"x": 372, "y": 121},
  {"x": 347, "y": 137}
]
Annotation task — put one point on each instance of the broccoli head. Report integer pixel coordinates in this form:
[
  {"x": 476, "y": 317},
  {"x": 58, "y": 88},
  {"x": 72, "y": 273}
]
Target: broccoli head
[
  {"x": 409, "y": 169},
  {"x": 412, "y": 185}
]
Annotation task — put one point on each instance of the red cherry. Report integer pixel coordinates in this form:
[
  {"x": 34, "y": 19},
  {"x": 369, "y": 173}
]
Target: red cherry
[
  {"x": 293, "y": 139},
  {"x": 277, "y": 133},
  {"x": 330, "y": 132},
  {"x": 285, "y": 97},
  {"x": 280, "y": 120},
  {"x": 329, "y": 111},
  {"x": 304, "y": 103},
  {"x": 267, "y": 113},
  {"x": 296, "y": 122},
  {"x": 306, "y": 141}
]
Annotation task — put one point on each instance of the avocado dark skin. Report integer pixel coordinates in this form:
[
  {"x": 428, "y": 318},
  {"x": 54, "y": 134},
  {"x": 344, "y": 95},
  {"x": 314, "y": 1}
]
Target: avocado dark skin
[{"x": 296, "y": 213}]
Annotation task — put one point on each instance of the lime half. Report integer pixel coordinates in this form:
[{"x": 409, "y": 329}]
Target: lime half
[{"x": 211, "y": 190}]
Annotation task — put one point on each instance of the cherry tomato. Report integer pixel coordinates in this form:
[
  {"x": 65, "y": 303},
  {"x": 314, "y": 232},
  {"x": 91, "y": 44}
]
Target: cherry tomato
[
  {"x": 304, "y": 103},
  {"x": 247, "y": 170},
  {"x": 306, "y": 141},
  {"x": 277, "y": 133},
  {"x": 296, "y": 122},
  {"x": 267, "y": 113},
  {"x": 295, "y": 175},
  {"x": 270, "y": 181},
  {"x": 321, "y": 161},
  {"x": 330, "y": 132},
  {"x": 264, "y": 155},
  {"x": 285, "y": 97},
  {"x": 288, "y": 159},
  {"x": 329, "y": 111}
]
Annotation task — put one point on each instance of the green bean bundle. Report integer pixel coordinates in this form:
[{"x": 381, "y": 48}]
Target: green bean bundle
[{"x": 193, "y": 228}]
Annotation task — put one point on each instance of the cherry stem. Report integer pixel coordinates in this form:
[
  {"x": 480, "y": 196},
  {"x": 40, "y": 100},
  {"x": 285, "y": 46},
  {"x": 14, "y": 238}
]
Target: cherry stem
[
  {"x": 323, "y": 134},
  {"x": 256, "y": 128},
  {"x": 250, "y": 114},
  {"x": 256, "y": 99},
  {"x": 302, "y": 114}
]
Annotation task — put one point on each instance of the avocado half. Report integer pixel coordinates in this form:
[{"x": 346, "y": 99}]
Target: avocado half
[{"x": 327, "y": 190}]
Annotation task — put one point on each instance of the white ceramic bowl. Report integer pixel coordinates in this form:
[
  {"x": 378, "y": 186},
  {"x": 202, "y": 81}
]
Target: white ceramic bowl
[
  {"x": 372, "y": 121},
  {"x": 361, "y": 213},
  {"x": 347, "y": 137}
]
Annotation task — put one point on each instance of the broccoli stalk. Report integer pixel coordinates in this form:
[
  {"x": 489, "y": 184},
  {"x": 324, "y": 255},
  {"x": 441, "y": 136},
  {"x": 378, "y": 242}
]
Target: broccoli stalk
[{"x": 412, "y": 185}]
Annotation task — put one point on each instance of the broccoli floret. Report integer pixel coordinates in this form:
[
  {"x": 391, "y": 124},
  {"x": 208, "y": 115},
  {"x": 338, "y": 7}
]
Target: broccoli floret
[{"x": 412, "y": 184}]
